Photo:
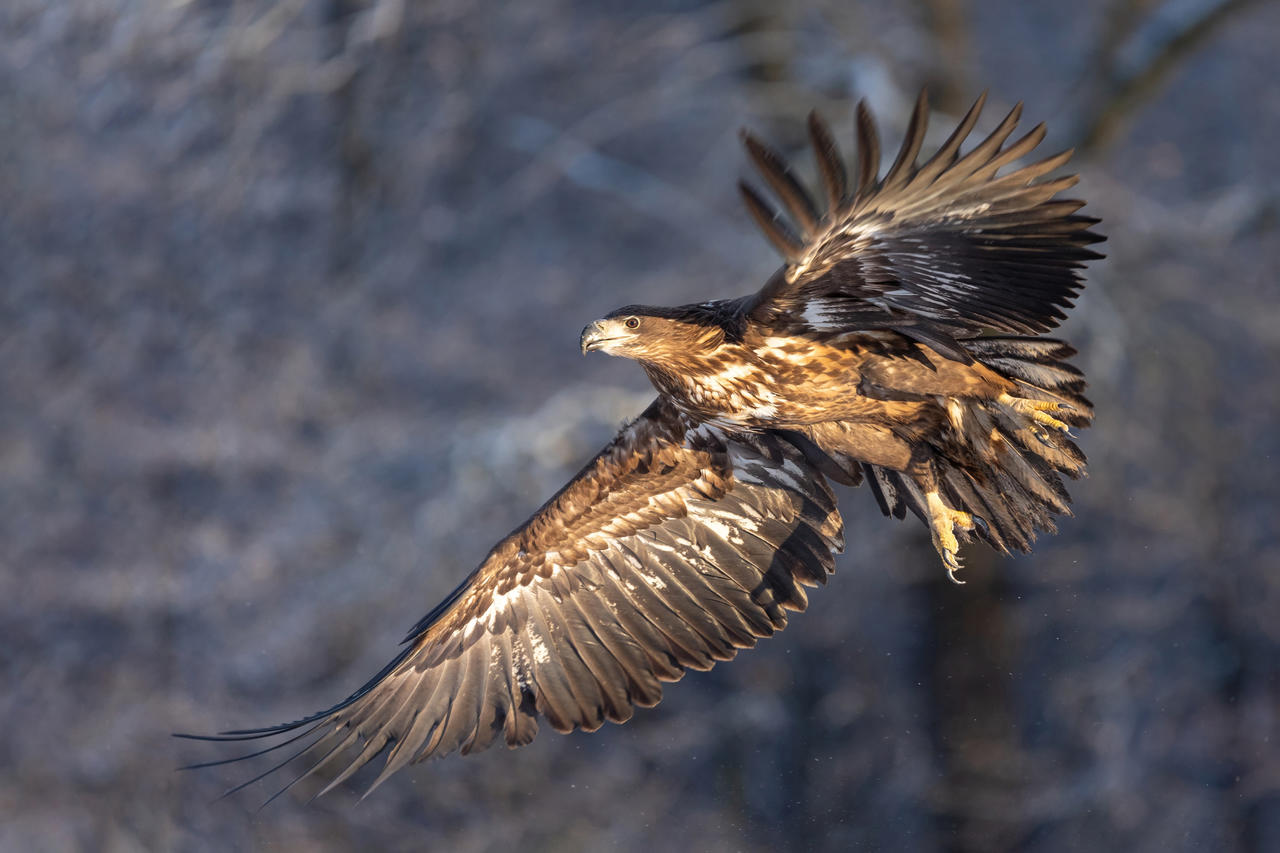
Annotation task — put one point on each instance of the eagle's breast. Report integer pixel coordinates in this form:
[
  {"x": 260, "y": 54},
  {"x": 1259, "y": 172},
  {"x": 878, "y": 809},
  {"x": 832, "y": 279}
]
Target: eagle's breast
[{"x": 765, "y": 382}]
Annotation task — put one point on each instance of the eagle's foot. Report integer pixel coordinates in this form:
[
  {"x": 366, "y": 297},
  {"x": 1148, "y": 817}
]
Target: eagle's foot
[
  {"x": 943, "y": 521},
  {"x": 1040, "y": 411}
]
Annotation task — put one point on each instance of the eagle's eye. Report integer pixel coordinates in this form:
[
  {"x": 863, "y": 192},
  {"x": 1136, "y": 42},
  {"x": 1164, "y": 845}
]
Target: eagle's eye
[{"x": 632, "y": 322}]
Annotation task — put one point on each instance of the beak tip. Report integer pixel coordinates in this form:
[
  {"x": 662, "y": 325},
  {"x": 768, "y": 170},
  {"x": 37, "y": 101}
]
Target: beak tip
[{"x": 589, "y": 337}]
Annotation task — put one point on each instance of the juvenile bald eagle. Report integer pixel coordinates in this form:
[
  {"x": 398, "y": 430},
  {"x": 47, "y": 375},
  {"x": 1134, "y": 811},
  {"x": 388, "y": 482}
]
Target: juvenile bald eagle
[{"x": 898, "y": 344}]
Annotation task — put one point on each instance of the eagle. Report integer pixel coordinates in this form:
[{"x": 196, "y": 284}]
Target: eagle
[{"x": 900, "y": 343}]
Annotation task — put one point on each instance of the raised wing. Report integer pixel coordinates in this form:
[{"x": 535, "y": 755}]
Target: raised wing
[
  {"x": 938, "y": 251},
  {"x": 676, "y": 546}
]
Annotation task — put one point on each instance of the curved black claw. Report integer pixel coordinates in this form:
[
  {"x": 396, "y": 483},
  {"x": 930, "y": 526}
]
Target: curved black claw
[{"x": 983, "y": 528}]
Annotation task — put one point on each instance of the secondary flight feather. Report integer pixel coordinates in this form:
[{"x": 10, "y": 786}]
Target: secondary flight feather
[{"x": 899, "y": 344}]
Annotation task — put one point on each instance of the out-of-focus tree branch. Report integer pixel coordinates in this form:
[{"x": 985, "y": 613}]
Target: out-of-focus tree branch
[
  {"x": 1136, "y": 56},
  {"x": 946, "y": 21}
]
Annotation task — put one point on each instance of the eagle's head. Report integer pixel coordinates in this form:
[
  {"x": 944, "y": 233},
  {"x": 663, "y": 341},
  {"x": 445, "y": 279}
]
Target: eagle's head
[{"x": 656, "y": 335}]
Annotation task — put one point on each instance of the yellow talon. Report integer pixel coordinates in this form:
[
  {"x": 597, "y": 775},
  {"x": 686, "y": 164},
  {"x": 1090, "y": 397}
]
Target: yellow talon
[
  {"x": 943, "y": 520},
  {"x": 1038, "y": 410},
  {"x": 1042, "y": 417}
]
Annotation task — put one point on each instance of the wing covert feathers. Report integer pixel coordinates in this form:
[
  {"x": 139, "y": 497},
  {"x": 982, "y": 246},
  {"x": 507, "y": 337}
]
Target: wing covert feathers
[
  {"x": 676, "y": 546},
  {"x": 949, "y": 246}
]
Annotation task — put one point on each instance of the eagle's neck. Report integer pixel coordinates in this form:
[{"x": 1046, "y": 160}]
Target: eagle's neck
[
  {"x": 723, "y": 385},
  {"x": 674, "y": 372}
]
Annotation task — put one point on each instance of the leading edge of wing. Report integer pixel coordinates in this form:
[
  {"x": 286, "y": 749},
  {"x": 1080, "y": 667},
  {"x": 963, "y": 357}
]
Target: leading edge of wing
[{"x": 674, "y": 547}]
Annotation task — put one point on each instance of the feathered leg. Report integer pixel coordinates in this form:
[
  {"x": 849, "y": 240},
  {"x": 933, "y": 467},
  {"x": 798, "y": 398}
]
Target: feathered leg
[{"x": 905, "y": 473}]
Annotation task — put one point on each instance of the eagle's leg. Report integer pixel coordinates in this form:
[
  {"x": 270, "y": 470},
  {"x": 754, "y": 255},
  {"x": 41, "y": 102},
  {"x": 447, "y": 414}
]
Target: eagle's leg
[
  {"x": 942, "y": 519},
  {"x": 1040, "y": 411}
]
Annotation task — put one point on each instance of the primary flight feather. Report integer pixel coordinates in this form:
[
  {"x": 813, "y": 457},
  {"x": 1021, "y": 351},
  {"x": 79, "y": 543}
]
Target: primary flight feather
[{"x": 870, "y": 354}]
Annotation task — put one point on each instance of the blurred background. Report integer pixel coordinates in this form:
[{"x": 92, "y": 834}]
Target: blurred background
[{"x": 290, "y": 295}]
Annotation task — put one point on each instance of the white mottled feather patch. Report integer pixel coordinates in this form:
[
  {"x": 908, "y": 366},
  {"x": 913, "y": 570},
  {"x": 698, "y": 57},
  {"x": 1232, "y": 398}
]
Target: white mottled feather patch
[
  {"x": 540, "y": 652},
  {"x": 725, "y": 531},
  {"x": 822, "y": 314},
  {"x": 653, "y": 580},
  {"x": 739, "y": 370}
]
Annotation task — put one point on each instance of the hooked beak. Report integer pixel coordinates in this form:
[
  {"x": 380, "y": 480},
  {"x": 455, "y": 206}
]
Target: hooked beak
[{"x": 593, "y": 337}]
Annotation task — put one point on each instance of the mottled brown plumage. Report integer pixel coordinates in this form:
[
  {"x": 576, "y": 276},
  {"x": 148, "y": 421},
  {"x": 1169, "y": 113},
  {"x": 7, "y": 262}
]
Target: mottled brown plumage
[{"x": 896, "y": 345}]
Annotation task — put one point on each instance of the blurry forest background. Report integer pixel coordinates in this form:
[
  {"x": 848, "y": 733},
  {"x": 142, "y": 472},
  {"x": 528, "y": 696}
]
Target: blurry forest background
[{"x": 290, "y": 295}]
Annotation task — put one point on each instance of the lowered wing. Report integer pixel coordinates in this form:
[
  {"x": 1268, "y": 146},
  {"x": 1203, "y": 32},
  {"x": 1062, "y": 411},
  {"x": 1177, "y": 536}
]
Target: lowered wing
[
  {"x": 937, "y": 251},
  {"x": 676, "y": 546}
]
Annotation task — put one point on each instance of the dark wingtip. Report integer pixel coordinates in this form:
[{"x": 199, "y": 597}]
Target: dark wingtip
[
  {"x": 868, "y": 150},
  {"x": 774, "y": 168},
  {"x": 788, "y": 244},
  {"x": 830, "y": 164}
]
